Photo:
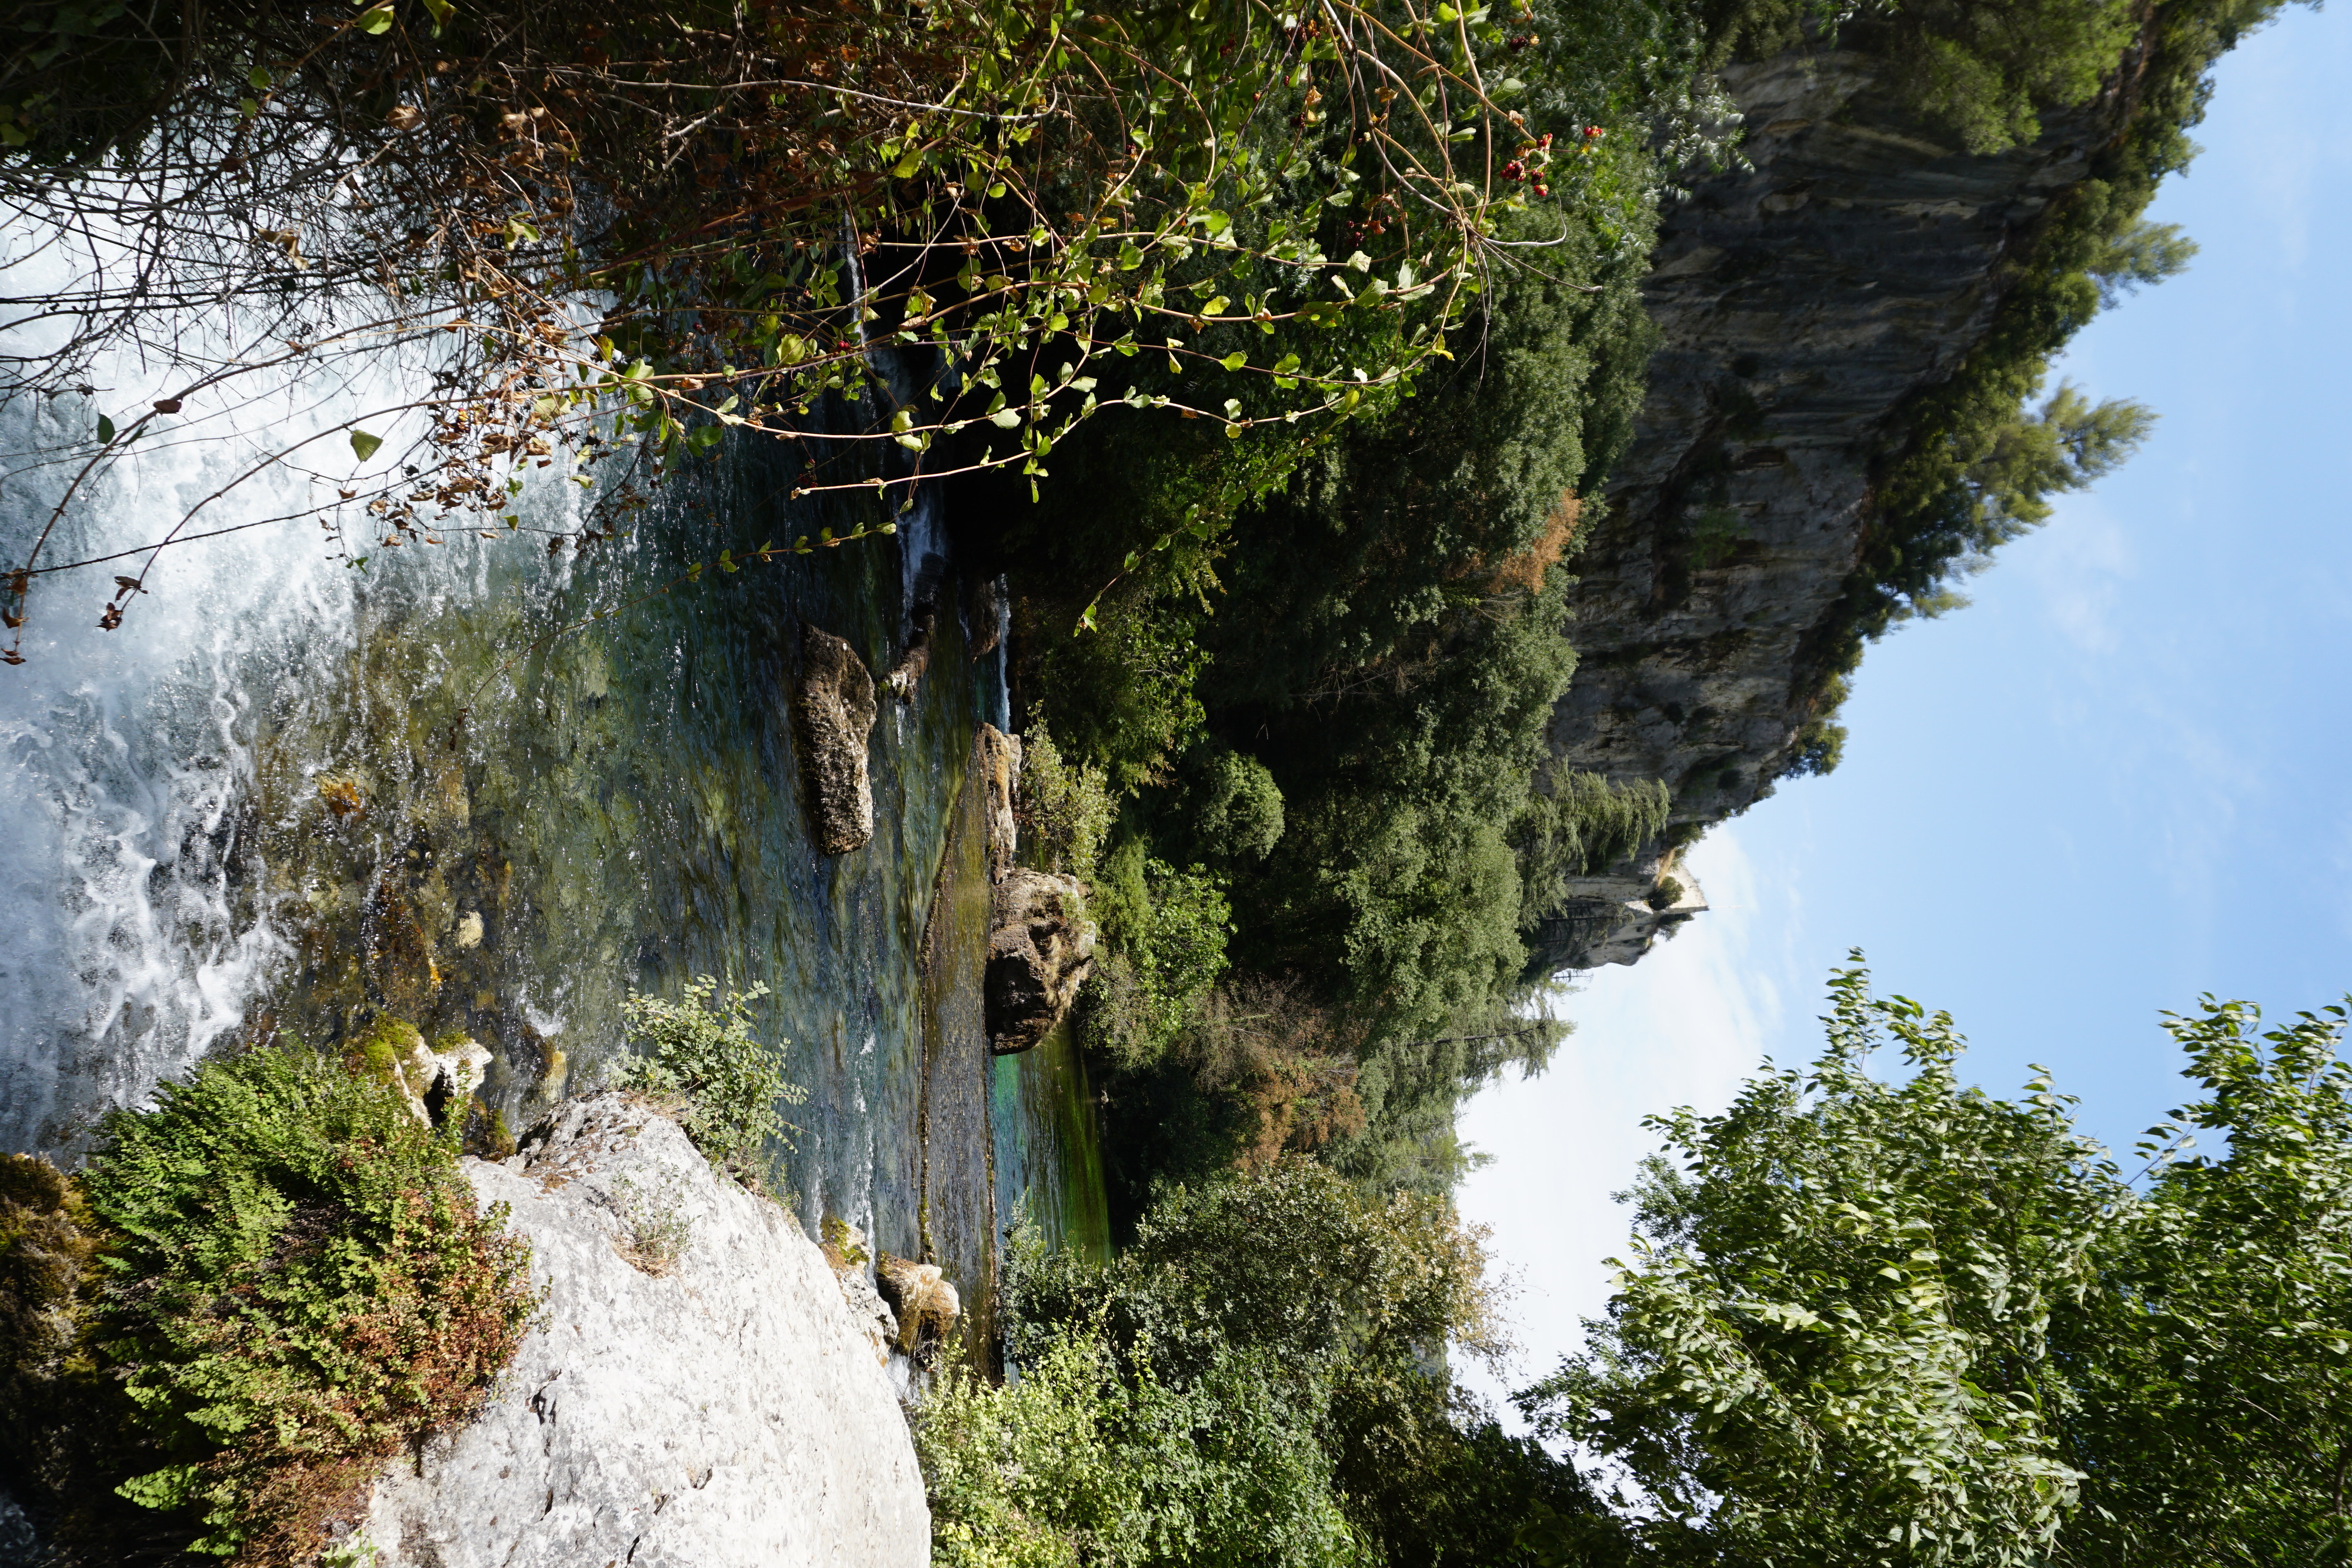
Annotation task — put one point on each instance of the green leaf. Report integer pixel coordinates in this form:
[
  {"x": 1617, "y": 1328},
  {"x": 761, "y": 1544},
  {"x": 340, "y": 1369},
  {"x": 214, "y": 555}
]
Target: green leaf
[
  {"x": 259, "y": 80},
  {"x": 1235, "y": 360},
  {"x": 363, "y": 445},
  {"x": 105, "y": 428},
  {"x": 168, "y": 1487},
  {"x": 442, "y": 11},
  {"x": 376, "y": 20}
]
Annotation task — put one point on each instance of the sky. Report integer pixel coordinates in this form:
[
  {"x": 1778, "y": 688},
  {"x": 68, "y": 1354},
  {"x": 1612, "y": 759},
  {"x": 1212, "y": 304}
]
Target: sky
[{"x": 2114, "y": 782}]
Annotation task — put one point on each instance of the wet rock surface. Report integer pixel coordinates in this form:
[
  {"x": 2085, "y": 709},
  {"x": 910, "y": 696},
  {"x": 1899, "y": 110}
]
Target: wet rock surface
[
  {"x": 835, "y": 711},
  {"x": 1040, "y": 950},
  {"x": 923, "y": 1303},
  {"x": 727, "y": 1411},
  {"x": 998, "y": 758}
]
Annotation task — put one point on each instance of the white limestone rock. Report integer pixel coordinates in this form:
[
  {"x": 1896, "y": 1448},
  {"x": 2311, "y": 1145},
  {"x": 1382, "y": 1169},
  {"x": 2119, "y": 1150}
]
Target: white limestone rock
[{"x": 722, "y": 1413}]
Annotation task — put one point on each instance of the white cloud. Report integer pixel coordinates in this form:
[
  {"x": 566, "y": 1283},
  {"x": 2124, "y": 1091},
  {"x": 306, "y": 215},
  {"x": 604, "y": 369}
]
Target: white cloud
[{"x": 1682, "y": 1026}]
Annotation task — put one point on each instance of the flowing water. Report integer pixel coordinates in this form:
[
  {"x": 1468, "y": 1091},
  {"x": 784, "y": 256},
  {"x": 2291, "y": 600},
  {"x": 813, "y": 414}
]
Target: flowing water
[{"x": 291, "y": 795}]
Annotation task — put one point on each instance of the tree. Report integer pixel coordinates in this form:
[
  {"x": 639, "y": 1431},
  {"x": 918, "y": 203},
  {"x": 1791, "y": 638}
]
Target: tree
[
  {"x": 2215, "y": 1365},
  {"x": 1873, "y": 1322},
  {"x": 1250, "y": 1382}
]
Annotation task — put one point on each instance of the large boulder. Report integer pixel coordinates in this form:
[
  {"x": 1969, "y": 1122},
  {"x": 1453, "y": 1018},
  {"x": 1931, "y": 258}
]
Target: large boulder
[
  {"x": 1040, "y": 949},
  {"x": 837, "y": 712},
  {"x": 694, "y": 1394}
]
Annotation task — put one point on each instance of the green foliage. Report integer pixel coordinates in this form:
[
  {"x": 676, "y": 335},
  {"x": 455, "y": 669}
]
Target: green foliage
[
  {"x": 1904, "y": 1322},
  {"x": 1237, "y": 808},
  {"x": 1987, "y": 67},
  {"x": 297, "y": 1285},
  {"x": 730, "y": 1083},
  {"x": 2143, "y": 253},
  {"x": 2215, "y": 1367},
  {"x": 1832, "y": 1339},
  {"x": 1076, "y": 1464},
  {"x": 1584, "y": 823},
  {"x": 1166, "y": 932},
  {"x": 1246, "y": 1384},
  {"x": 1260, "y": 221},
  {"x": 1065, "y": 810}
]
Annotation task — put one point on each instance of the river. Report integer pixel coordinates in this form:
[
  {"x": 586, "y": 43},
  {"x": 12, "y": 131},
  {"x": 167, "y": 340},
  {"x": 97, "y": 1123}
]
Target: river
[{"x": 293, "y": 793}]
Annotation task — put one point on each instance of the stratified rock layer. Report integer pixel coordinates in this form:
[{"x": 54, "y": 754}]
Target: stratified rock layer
[
  {"x": 836, "y": 712},
  {"x": 1800, "y": 306},
  {"x": 723, "y": 1412}
]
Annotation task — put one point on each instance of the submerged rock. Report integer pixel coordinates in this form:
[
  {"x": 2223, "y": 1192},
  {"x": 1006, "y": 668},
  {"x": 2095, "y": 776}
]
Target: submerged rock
[
  {"x": 1040, "y": 949},
  {"x": 906, "y": 674},
  {"x": 722, "y": 1411},
  {"x": 836, "y": 714}
]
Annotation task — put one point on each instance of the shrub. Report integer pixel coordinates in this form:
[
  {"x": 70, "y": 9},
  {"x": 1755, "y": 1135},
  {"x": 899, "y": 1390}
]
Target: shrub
[
  {"x": 293, "y": 1283},
  {"x": 1067, "y": 809},
  {"x": 1167, "y": 932},
  {"x": 1262, "y": 1362},
  {"x": 1237, "y": 807},
  {"x": 728, "y": 1082}
]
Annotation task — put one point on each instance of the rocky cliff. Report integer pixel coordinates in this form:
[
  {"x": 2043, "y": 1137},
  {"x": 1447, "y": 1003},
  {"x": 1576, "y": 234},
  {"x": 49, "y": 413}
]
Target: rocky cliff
[
  {"x": 1800, "y": 305},
  {"x": 696, "y": 1393}
]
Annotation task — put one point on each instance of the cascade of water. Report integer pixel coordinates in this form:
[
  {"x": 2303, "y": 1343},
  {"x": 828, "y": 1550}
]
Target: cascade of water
[
  {"x": 127, "y": 760},
  {"x": 293, "y": 793}
]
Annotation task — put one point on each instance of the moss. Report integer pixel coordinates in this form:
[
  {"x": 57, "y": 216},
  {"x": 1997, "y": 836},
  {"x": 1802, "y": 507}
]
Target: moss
[
  {"x": 840, "y": 1244},
  {"x": 386, "y": 1050}
]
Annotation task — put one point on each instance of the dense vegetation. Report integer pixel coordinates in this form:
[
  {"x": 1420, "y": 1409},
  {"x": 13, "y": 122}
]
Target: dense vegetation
[
  {"x": 1869, "y": 1320},
  {"x": 1334, "y": 779},
  {"x": 1247, "y": 1385},
  {"x": 249, "y": 1298},
  {"x": 1872, "y": 1322},
  {"x": 1284, "y": 656}
]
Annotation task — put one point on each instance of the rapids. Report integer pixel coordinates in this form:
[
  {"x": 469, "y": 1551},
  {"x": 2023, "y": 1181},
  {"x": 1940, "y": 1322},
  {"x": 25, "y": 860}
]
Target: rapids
[{"x": 293, "y": 792}]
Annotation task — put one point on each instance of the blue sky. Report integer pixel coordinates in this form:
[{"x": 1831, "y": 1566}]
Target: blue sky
[{"x": 2115, "y": 781}]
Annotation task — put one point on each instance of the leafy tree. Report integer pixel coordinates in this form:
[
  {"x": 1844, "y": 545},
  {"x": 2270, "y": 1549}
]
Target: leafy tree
[
  {"x": 2214, "y": 1368},
  {"x": 1831, "y": 1346},
  {"x": 2143, "y": 253},
  {"x": 1906, "y": 1322}
]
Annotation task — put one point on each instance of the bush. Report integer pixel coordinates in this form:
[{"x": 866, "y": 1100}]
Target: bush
[
  {"x": 1238, "y": 808},
  {"x": 1066, "y": 808},
  {"x": 1251, "y": 1381},
  {"x": 728, "y": 1083},
  {"x": 283, "y": 1281},
  {"x": 1166, "y": 931}
]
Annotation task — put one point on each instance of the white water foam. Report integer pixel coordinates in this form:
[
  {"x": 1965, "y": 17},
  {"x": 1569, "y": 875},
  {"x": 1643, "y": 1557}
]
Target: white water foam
[{"x": 127, "y": 852}]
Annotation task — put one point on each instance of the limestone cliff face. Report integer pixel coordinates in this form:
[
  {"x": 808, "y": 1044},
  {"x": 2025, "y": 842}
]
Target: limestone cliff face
[{"x": 1800, "y": 306}]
